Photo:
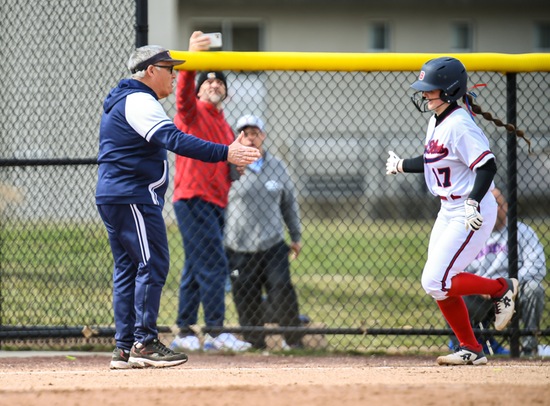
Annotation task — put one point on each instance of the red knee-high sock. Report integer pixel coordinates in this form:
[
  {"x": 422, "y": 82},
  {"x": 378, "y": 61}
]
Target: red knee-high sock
[
  {"x": 456, "y": 313},
  {"x": 469, "y": 284}
]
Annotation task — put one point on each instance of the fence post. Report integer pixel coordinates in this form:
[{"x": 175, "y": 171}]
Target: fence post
[
  {"x": 142, "y": 27},
  {"x": 512, "y": 186}
]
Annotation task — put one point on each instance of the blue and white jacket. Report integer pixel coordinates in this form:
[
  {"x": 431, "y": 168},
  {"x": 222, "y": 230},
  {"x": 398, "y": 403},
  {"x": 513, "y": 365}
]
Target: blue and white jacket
[{"x": 134, "y": 134}]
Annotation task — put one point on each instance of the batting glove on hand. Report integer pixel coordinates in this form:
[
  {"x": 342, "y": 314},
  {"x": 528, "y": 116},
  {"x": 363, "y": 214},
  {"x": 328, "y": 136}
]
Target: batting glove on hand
[
  {"x": 473, "y": 220},
  {"x": 394, "y": 164}
]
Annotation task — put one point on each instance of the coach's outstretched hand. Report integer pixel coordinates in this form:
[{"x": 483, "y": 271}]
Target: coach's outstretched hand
[
  {"x": 241, "y": 155},
  {"x": 394, "y": 164},
  {"x": 474, "y": 219}
]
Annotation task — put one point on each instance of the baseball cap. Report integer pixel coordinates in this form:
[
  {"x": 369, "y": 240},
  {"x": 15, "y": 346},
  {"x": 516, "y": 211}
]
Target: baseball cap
[
  {"x": 250, "y": 120},
  {"x": 210, "y": 75},
  {"x": 162, "y": 56}
]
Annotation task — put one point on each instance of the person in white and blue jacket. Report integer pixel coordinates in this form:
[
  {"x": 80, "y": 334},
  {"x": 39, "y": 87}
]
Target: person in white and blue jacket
[{"x": 134, "y": 134}]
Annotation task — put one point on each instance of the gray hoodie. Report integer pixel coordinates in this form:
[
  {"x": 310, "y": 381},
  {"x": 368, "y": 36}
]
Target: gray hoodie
[{"x": 261, "y": 203}]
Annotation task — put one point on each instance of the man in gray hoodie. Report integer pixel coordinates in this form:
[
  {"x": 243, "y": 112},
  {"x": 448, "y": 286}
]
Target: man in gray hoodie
[{"x": 261, "y": 203}]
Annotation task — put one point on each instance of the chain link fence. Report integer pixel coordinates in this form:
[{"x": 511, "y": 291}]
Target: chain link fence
[{"x": 365, "y": 234}]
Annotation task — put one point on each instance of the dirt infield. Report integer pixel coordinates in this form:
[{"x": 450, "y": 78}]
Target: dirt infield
[{"x": 254, "y": 379}]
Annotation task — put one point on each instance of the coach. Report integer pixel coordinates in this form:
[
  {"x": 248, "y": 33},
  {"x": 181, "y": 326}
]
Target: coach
[{"x": 135, "y": 133}]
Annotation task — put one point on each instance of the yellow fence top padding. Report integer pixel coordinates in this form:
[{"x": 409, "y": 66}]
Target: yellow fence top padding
[{"x": 318, "y": 61}]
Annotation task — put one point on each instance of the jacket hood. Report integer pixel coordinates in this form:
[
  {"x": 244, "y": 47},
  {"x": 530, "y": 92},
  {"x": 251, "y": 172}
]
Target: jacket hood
[{"x": 123, "y": 89}]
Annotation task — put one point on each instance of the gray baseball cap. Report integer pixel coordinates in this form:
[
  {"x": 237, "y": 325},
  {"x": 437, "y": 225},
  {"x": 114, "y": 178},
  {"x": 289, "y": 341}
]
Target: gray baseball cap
[{"x": 250, "y": 120}]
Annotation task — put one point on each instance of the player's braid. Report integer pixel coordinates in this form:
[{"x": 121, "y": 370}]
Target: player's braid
[{"x": 467, "y": 98}]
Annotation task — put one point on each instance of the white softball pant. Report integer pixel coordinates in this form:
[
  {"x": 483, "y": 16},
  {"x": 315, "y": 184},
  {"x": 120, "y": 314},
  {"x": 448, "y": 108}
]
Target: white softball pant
[{"x": 452, "y": 248}]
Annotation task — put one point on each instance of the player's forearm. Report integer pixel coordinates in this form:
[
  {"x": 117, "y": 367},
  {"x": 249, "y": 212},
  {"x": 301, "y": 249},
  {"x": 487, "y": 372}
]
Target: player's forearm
[{"x": 414, "y": 165}]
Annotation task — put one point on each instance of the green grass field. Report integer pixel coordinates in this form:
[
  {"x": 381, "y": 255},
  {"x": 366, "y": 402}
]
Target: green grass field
[{"x": 349, "y": 275}]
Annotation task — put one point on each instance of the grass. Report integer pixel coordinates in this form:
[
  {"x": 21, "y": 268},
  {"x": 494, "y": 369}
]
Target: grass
[{"x": 349, "y": 275}]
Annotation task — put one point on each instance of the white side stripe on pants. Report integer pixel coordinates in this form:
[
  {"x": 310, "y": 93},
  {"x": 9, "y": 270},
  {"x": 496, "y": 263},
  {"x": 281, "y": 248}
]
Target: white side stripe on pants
[{"x": 141, "y": 233}]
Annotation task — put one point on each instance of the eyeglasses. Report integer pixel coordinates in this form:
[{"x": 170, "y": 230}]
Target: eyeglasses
[{"x": 169, "y": 68}]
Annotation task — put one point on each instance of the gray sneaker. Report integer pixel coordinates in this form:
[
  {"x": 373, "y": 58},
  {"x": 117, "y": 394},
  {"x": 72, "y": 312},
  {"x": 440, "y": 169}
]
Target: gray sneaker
[
  {"x": 504, "y": 305},
  {"x": 119, "y": 359},
  {"x": 463, "y": 356},
  {"x": 154, "y": 354}
]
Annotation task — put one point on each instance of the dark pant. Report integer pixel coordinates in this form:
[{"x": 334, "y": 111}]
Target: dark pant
[
  {"x": 205, "y": 270},
  {"x": 269, "y": 270},
  {"x": 137, "y": 235}
]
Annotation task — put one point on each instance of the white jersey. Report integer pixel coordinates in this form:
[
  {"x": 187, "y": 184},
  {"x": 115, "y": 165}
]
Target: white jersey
[{"x": 453, "y": 151}]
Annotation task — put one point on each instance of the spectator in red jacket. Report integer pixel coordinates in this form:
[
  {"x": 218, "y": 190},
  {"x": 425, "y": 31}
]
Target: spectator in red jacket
[{"x": 200, "y": 198}]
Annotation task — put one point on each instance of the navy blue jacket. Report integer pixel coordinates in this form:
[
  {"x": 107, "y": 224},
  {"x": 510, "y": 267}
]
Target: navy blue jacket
[{"x": 134, "y": 134}]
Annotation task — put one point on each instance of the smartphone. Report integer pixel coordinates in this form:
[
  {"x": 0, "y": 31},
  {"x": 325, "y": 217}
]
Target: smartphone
[{"x": 215, "y": 39}]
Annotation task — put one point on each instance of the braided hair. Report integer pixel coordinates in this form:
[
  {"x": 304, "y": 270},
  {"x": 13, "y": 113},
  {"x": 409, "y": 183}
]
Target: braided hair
[{"x": 468, "y": 99}]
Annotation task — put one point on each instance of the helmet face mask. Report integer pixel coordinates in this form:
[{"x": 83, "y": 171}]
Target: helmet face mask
[
  {"x": 420, "y": 102},
  {"x": 446, "y": 74}
]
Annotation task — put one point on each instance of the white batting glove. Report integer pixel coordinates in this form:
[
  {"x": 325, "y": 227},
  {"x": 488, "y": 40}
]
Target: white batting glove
[
  {"x": 394, "y": 164},
  {"x": 473, "y": 219}
]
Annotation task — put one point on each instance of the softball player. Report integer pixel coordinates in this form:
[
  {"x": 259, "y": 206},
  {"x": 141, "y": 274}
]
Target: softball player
[{"x": 459, "y": 168}]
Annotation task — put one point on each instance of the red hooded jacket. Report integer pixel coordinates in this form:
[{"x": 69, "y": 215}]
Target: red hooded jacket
[{"x": 193, "y": 178}]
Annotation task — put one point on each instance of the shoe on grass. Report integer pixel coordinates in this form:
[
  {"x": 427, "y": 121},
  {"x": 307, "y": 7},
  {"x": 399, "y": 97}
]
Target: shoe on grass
[
  {"x": 186, "y": 343},
  {"x": 289, "y": 347},
  {"x": 120, "y": 358},
  {"x": 543, "y": 350},
  {"x": 504, "y": 305},
  {"x": 463, "y": 356},
  {"x": 225, "y": 342},
  {"x": 154, "y": 354}
]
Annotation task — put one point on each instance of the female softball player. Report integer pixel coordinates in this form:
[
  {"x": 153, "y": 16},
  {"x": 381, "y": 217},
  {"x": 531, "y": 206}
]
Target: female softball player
[{"x": 459, "y": 167}]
